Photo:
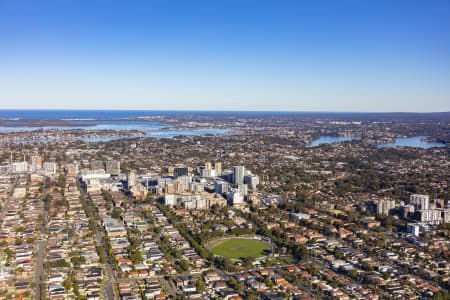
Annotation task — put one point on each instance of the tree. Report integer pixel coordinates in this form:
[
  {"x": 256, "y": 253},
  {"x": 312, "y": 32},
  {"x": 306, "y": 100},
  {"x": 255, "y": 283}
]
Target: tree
[
  {"x": 67, "y": 283},
  {"x": 136, "y": 256},
  {"x": 200, "y": 285},
  {"x": 176, "y": 253},
  {"x": 184, "y": 265},
  {"x": 269, "y": 283},
  {"x": 251, "y": 295},
  {"x": 236, "y": 285},
  {"x": 150, "y": 198},
  {"x": 60, "y": 263},
  {"x": 77, "y": 259},
  {"x": 338, "y": 254},
  {"x": 9, "y": 254},
  {"x": 387, "y": 222},
  {"x": 248, "y": 261},
  {"x": 300, "y": 252},
  {"x": 441, "y": 296},
  {"x": 353, "y": 273},
  {"x": 61, "y": 180},
  {"x": 116, "y": 213}
]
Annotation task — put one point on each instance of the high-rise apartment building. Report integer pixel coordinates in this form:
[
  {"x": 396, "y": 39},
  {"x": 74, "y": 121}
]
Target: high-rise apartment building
[
  {"x": 238, "y": 175},
  {"x": 36, "y": 162},
  {"x": 420, "y": 202},
  {"x": 218, "y": 168},
  {"x": 132, "y": 179},
  {"x": 384, "y": 206}
]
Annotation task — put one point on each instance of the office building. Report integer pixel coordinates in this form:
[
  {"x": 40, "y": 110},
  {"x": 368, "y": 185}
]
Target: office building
[
  {"x": 112, "y": 167},
  {"x": 180, "y": 171},
  {"x": 222, "y": 187},
  {"x": 251, "y": 180},
  {"x": 50, "y": 167},
  {"x": 238, "y": 175},
  {"x": 36, "y": 162},
  {"x": 208, "y": 173},
  {"x": 96, "y": 165},
  {"x": 19, "y": 167},
  {"x": 235, "y": 198},
  {"x": 170, "y": 171}
]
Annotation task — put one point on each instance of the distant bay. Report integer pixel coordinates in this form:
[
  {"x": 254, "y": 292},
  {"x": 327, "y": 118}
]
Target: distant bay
[
  {"x": 331, "y": 140},
  {"x": 26, "y": 120},
  {"x": 414, "y": 142}
]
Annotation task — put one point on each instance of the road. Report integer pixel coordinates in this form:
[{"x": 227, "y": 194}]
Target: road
[
  {"x": 39, "y": 268},
  {"x": 168, "y": 286},
  {"x": 99, "y": 235},
  {"x": 110, "y": 278},
  {"x": 40, "y": 254}
]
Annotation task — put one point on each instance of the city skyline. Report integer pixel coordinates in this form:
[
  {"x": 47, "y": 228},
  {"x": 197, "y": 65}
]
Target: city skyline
[{"x": 253, "y": 56}]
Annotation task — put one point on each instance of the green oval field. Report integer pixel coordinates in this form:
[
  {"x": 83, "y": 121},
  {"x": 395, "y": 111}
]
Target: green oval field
[{"x": 238, "y": 248}]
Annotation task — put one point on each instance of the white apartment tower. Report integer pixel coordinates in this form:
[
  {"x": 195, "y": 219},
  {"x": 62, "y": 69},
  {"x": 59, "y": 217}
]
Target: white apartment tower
[{"x": 420, "y": 202}]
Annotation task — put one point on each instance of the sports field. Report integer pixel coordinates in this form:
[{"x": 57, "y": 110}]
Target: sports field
[{"x": 239, "y": 248}]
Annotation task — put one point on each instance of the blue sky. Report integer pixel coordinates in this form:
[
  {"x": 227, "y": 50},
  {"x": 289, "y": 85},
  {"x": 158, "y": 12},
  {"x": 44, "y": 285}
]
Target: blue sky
[{"x": 226, "y": 55}]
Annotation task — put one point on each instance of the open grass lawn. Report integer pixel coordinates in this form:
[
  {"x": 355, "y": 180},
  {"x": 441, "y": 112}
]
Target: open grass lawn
[{"x": 240, "y": 248}]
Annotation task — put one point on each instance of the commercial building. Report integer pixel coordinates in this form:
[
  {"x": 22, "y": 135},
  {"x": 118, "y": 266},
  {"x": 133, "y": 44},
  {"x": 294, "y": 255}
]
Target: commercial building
[
  {"x": 251, "y": 180},
  {"x": 208, "y": 173},
  {"x": 96, "y": 165},
  {"x": 19, "y": 167},
  {"x": 180, "y": 171},
  {"x": 112, "y": 167},
  {"x": 238, "y": 175},
  {"x": 222, "y": 187},
  {"x": 36, "y": 162},
  {"x": 198, "y": 201},
  {"x": 50, "y": 167},
  {"x": 235, "y": 198}
]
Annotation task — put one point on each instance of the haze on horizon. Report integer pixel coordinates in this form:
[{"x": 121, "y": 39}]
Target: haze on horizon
[{"x": 226, "y": 55}]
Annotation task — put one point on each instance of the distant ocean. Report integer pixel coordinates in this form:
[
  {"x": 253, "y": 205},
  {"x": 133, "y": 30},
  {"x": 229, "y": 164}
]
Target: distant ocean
[
  {"x": 126, "y": 114},
  {"x": 112, "y": 114},
  {"x": 81, "y": 114},
  {"x": 129, "y": 114}
]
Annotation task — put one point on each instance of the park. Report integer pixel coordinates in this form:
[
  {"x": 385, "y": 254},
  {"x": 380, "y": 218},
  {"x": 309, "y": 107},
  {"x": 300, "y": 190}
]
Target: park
[{"x": 237, "y": 248}]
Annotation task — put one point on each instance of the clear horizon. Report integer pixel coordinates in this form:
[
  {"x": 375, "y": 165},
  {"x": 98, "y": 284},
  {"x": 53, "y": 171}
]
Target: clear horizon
[
  {"x": 231, "y": 111},
  {"x": 321, "y": 56}
]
